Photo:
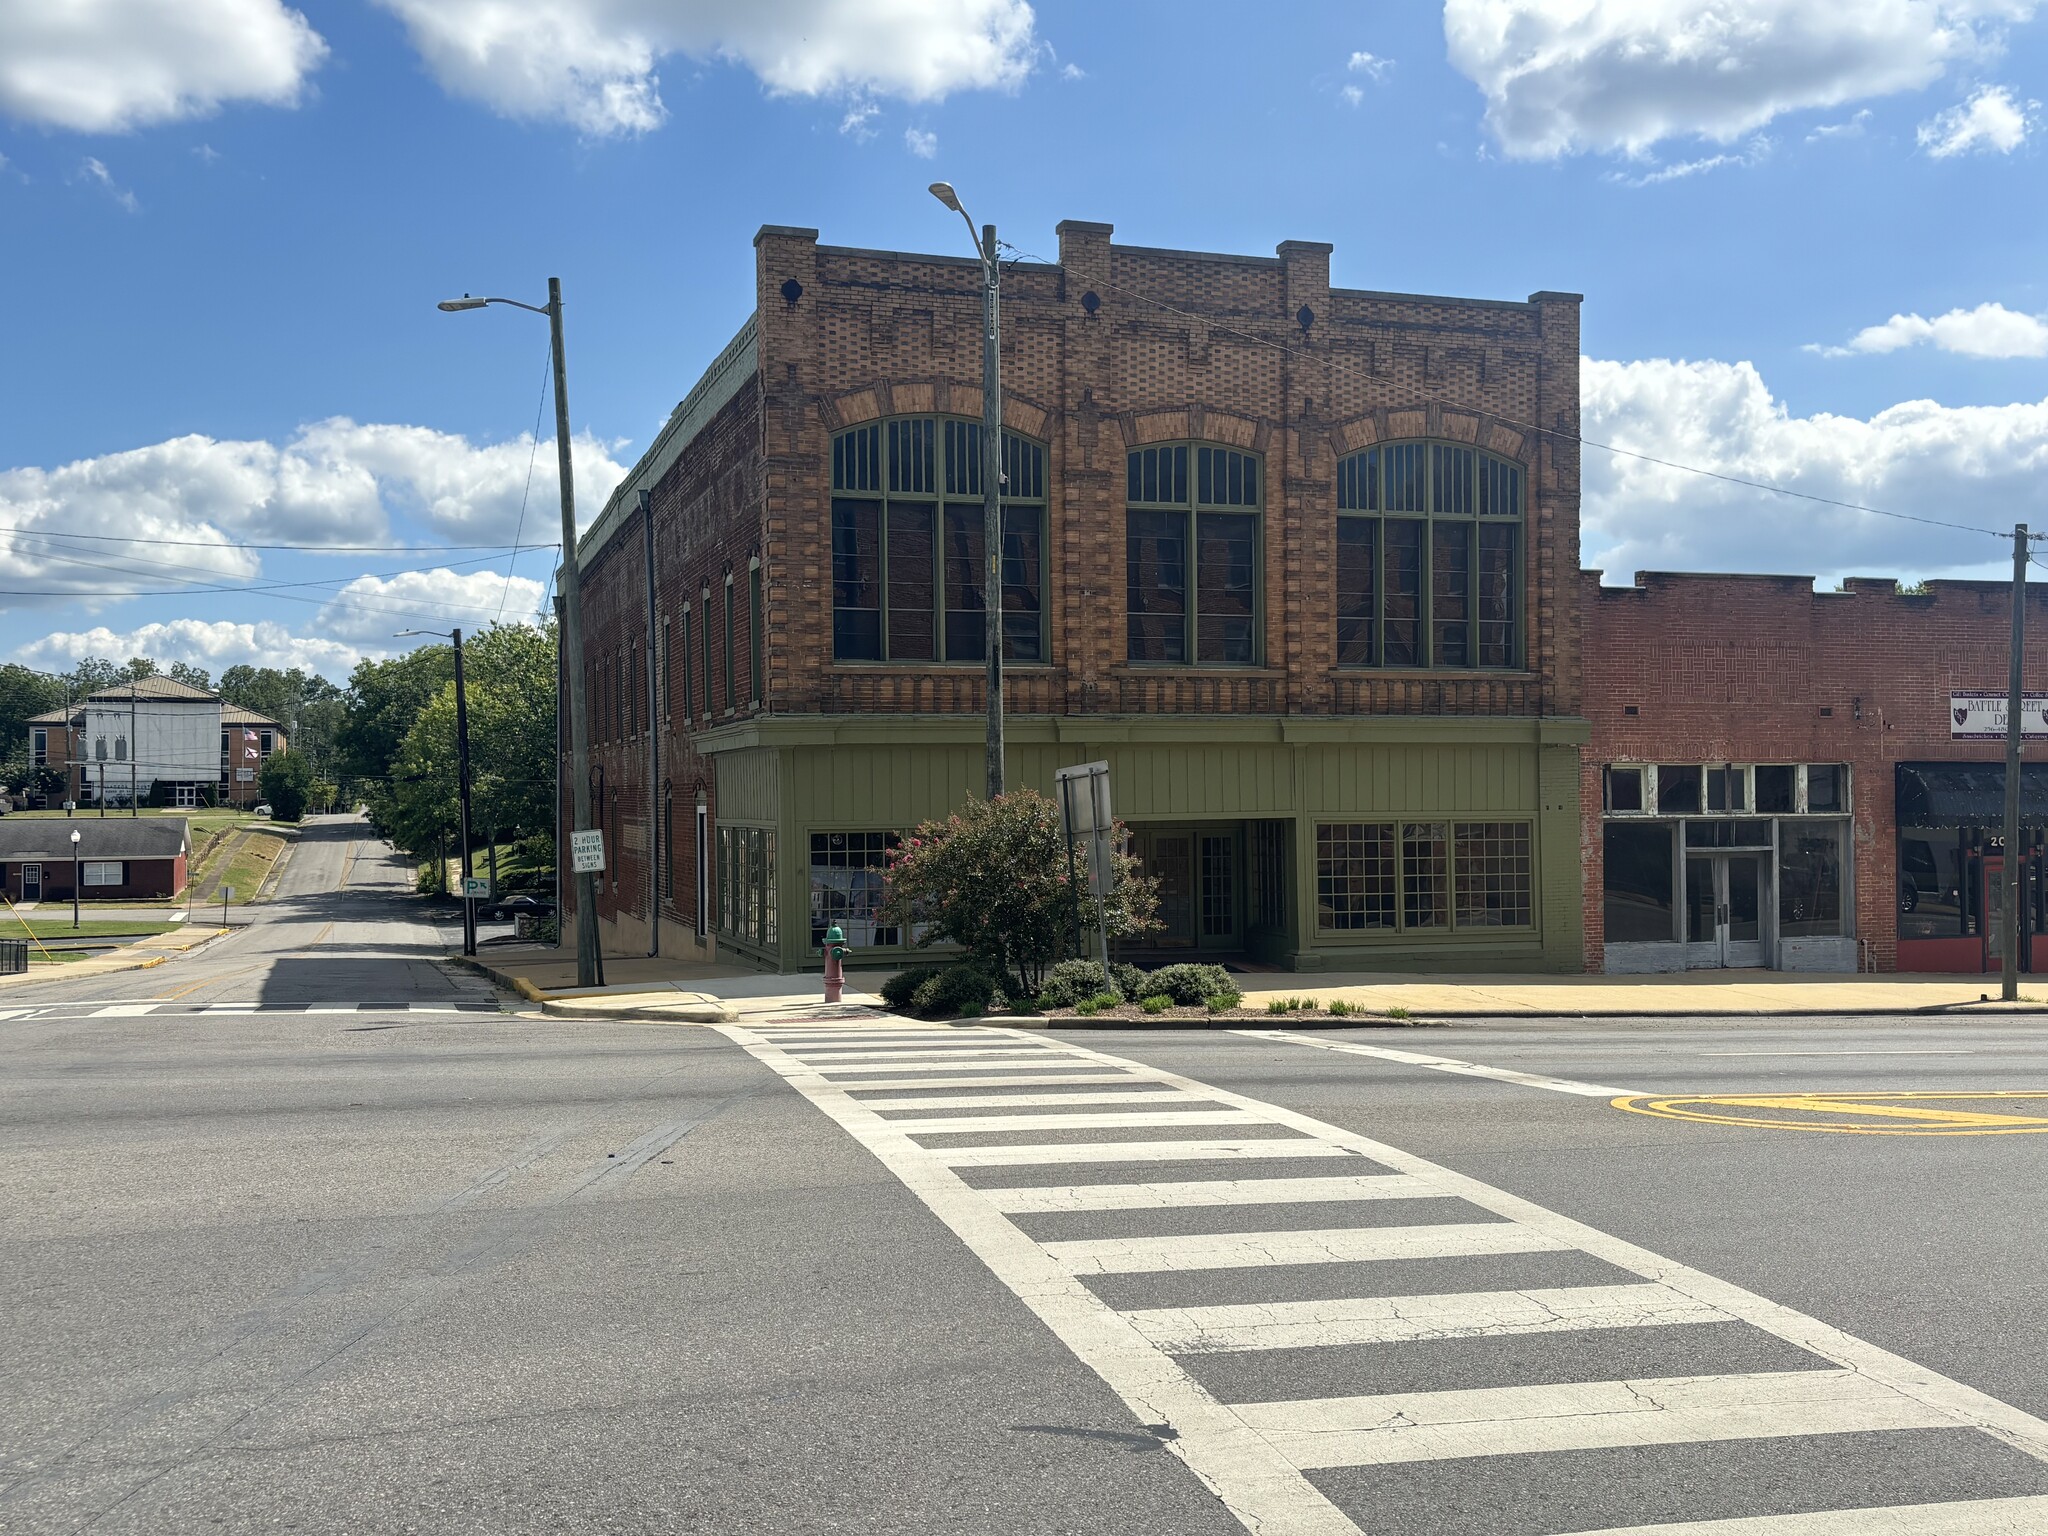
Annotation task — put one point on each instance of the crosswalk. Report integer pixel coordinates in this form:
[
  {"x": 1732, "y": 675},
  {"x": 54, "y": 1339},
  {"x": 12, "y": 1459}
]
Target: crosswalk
[
  {"x": 1337, "y": 1336},
  {"x": 191, "y": 1010}
]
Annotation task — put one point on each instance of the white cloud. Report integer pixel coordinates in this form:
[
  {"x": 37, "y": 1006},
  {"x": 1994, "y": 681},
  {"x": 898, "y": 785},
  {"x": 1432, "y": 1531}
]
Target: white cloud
[
  {"x": 1073, "y": 72},
  {"x": 179, "y": 507},
  {"x": 859, "y": 113},
  {"x": 1757, "y": 150},
  {"x": 213, "y": 644},
  {"x": 924, "y": 145},
  {"x": 1371, "y": 65},
  {"x": 1568, "y": 76},
  {"x": 104, "y": 66},
  {"x": 593, "y": 63},
  {"x": 370, "y": 608},
  {"x": 1989, "y": 330},
  {"x": 1850, "y": 127},
  {"x": 1986, "y": 466},
  {"x": 96, "y": 172},
  {"x": 1990, "y": 120}
]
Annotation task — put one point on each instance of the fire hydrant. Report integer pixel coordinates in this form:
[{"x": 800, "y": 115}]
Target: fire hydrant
[{"x": 835, "y": 963}]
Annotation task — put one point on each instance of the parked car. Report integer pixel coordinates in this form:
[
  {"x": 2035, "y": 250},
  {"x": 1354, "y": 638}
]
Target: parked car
[
  {"x": 262, "y": 810},
  {"x": 510, "y": 907}
]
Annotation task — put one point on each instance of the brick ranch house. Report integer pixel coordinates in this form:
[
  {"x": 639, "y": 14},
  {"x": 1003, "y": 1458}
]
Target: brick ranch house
[
  {"x": 119, "y": 857},
  {"x": 1299, "y": 561},
  {"x": 1779, "y": 776}
]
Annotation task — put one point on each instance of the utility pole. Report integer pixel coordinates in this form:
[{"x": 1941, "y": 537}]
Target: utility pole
[
  {"x": 992, "y": 494},
  {"x": 589, "y": 965},
  {"x": 462, "y": 794},
  {"x": 2009, "y": 950},
  {"x": 134, "y": 749}
]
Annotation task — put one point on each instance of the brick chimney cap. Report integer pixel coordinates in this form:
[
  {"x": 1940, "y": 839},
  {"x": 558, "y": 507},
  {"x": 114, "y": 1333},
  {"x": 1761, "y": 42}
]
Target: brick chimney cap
[
  {"x": 1304, "y": 248},
  {"x": 1082, "y": 227},
  {"x": 784, "y": 231},
  {"x": 1552, "y": 296}
]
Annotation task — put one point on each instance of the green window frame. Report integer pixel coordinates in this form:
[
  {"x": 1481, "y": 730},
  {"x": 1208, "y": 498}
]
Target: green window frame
[
  {"x": 689, "y": 683},
  {"x": 732, "y": 694},
  {"x": 1430, "y": 549},
  {"x": 907, "y": 557},
  {"x": 704, "y": 599},
  {"x": 747, "y": 911},
  {"x": 757, "y": 633},
  {"x": 1194, "y": 555},
  {"x": 1421, "y": 876}
]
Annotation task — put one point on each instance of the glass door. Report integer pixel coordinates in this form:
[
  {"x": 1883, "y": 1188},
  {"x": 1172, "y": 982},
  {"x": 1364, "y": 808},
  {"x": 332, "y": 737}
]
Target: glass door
[
  {"x": 1723, "y": 910},
  {"x": 1170, "y": 857},
  {"x": 31, "y": 882}
]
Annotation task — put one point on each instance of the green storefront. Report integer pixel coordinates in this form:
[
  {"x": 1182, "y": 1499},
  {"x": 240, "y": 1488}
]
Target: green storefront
[{"x": 1383, "y": 843}]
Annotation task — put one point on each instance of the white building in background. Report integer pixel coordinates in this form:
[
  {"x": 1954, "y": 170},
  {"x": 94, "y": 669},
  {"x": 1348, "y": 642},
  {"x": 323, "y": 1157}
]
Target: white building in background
[{"x": 125, "y": 741}]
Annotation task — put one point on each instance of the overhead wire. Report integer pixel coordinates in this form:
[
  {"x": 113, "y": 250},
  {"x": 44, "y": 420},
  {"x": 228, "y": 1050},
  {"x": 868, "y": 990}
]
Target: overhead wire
[
  {"x": 1336, "y": 366},
  {"x": 547, "y": 375}
]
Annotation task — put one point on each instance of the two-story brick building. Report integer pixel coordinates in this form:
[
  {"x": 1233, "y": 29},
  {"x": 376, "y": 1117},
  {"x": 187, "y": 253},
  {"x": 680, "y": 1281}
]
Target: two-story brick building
[
  {"x": 1299, "y": 561},
  {"x": 155, "y": 741}
]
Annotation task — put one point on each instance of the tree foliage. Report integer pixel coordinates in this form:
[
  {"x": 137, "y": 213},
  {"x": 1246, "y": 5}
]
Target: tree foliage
[
  {"x": 992, "y": 878},
  {"x": 287, "y": 783}
]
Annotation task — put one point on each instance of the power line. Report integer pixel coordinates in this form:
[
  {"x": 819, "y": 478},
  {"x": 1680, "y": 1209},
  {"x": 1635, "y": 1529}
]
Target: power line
[
  {"x": 317, "y": 549},
  {"x": 1336, "y": 366},
  {"x": 518, "y": 533}
]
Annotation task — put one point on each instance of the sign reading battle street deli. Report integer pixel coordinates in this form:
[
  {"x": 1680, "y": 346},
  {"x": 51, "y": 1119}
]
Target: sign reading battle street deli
[{"x": 1981, "y": 716}]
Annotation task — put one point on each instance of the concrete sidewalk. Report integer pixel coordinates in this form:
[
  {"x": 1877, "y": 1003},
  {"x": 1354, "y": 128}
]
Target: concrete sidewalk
[
  {"x": 656, "y": 989},
  {"x": 139, "y": 956}
]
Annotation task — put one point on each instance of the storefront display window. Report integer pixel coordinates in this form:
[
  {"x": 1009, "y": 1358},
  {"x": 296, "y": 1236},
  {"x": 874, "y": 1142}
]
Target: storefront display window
[
  {"x": 1810, "y": 881},
  {"x": 1638, "y": 898}
]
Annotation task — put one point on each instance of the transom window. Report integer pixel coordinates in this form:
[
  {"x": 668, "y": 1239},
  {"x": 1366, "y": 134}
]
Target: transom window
[
  {"x": 907, "y": 550},
  {"x": 1192, "y": 554},
  {"x": 1429, "y": 557}
]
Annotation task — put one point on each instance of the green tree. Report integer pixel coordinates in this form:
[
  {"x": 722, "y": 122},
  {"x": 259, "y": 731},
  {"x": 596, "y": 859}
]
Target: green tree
[
  {"x": 992, "y": 878},
  {"x": 309, "y": 707},
  {"x": 510, "y": 671},
  {"x": 191, "y": 676},
  {"x": 381, "y": 703},
  {"x": 287, "y": 783}
]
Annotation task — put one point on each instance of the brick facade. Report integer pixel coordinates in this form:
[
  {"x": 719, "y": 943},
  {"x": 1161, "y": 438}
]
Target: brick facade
[
  {"x": 1111, "y": 348},
  {"x": 1764, "y": 669}
]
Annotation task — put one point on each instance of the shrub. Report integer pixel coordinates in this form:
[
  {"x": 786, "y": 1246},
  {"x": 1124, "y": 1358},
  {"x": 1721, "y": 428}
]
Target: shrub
[
  {"x": 1071, "y": 980},
  {"x": 1087, "y": 1007},
  {"x": 992, "y": 878},
  {"x": 1223, "y": 1002},
  {"x": 1105, "y": 1000},
  {"x": 900, "y": 990},
  {"x": 957, "y": 991},
  {"x": 1276, "y": 1005},
  {"x": 1187, "y": 985},
  {"x": 1397, "y": 1013},
  {"x": 1155, "y": 1003},
  {"x": 1127, "y": 978},
  {"x": 1339, "y": 1008}
]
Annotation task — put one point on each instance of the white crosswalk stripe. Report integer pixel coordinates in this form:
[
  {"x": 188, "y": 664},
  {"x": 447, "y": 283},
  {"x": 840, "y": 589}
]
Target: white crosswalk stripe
[
  {"x": 125, "y": 1010},
  {"x": 1970, "y": 1517},
  {"x": 1203, "y": 1192},
  {"x": 1254, "y": 1454},
  {"x": 1519, "y": 1421},
  {"x": 1398, "y": 1319}
]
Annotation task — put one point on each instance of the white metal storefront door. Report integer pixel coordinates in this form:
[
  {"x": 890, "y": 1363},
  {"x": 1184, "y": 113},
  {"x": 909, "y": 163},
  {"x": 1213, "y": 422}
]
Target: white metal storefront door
[{"x": 1724, "y": 910}]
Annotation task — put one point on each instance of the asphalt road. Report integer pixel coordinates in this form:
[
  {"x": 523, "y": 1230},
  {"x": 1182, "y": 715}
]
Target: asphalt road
[{"x": 393, "y": 1270}]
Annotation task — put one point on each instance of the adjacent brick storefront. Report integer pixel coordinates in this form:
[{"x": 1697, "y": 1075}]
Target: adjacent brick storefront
[
  {"x": 1271, "y": 754},
  {"x": 1747, "y": 673}
]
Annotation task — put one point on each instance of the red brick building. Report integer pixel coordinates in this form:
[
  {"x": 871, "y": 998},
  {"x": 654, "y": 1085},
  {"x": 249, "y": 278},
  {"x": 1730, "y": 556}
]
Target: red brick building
[
  {"x": 1300, "y": 561},
  {"x": 1780, "y": 777}
]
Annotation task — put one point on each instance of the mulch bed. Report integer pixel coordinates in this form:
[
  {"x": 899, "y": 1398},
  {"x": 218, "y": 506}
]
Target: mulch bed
[{"x": 1199, "y": 1017}]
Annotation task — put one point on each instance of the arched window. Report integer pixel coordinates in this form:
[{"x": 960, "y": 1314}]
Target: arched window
[
  {"x": 1429, "y": 557},
  {"x": 1192, "y": 554},
  {"x": 907, "y": 548}
]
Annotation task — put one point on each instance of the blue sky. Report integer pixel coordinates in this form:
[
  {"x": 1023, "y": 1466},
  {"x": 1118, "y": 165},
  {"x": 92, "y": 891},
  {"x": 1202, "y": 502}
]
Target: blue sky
[{"x": 1809, "y": 235}]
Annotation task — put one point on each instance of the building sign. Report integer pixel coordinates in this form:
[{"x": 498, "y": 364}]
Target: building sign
[{"x": 1981, "y": 716}]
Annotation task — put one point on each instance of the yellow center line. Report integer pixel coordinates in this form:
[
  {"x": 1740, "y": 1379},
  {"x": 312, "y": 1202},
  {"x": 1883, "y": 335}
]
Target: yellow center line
[{"x": 1850, "y": 1106}]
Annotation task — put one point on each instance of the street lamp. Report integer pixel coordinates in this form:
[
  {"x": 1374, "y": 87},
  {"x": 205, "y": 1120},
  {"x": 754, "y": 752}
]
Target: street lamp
[
  {"x": 589, "y": 967},
  {"x": 74, "y": 877},
  {"x": 991, "y": 474},
  {"x": 461, "y": 776}
]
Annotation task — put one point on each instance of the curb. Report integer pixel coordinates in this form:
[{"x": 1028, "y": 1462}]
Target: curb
[{"x": 681, "y": 1013}]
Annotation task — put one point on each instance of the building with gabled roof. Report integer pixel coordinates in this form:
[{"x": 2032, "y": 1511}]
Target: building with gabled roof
[{"x": 155, "y": 741}]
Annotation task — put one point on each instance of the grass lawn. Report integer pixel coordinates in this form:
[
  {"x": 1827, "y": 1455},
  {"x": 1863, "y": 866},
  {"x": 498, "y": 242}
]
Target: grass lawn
[
  {"x": 249, "y": 865},
  {"x": 46, "y": 926},
  {"x": 514, "y": 873}
]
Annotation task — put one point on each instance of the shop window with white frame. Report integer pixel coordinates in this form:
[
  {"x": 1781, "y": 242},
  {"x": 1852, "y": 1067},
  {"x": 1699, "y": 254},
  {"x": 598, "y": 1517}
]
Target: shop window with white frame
[{"x": 98, "y": 872}]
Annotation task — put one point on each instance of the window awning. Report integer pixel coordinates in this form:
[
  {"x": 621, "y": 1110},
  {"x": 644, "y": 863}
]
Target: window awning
[{"x": 1968, "y": 794}]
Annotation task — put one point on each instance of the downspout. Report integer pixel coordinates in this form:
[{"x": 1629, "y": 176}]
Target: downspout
[{"x": 653, "y": 737}]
